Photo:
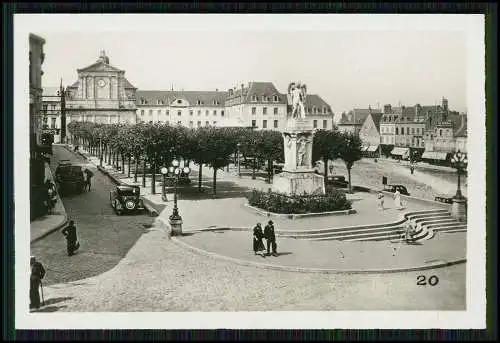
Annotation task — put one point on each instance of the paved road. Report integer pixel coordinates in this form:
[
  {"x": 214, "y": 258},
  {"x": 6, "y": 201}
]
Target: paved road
[{"x": 105, "y": 238}]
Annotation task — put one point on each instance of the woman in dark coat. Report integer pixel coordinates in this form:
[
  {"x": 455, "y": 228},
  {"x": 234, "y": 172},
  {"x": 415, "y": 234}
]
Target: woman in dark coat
[{"x": 258, "y": 235}]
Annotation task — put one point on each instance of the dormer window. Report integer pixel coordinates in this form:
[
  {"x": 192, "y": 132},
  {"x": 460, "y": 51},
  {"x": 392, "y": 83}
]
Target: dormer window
[
  {"x": 275, "y": 98},
  {"x": 267, "y": 98},
  {"x": 324, "y": 110},
  {"x": 198, "y": 102},
  {"x": 254, "y": 97},
  {"x": 143, "y": 101},
  {"x": 314, "y": 110},
  {"x": 159, "y": 102},
  {"x": 179, "y": 101}
]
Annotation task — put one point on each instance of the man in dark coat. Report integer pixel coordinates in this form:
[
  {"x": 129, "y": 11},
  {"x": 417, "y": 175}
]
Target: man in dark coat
[
  {"x": 37, "y": 274},
  {"x": 71, "y": 240},
  {"x": 270, "y": 236},
  {"x": 89, "y": 175}
]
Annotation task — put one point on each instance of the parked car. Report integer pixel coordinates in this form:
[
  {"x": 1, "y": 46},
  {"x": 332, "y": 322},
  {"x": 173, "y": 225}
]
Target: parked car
[
  {"x": 126, "y": 198},
  {"x": 337, "y": 181},
  {"x": 447, "y": 199},
  {"x": 69, "y": 177},
  {"x": 392, "y": 188}
]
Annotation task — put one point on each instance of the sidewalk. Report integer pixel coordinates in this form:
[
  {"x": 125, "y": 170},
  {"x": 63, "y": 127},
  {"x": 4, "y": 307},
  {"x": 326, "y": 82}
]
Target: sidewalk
[{"x": 45, "y": 225}]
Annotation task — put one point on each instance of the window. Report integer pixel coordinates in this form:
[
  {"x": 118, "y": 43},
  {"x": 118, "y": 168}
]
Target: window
[
  {"x": 275, "y": 125},
  {"x": 158, "y": 112},
  {"x": 440, "y": 132},
  {"x": 222, "y": 113},
  {"x": 264, "y": 124},
  {"x": 45, "y": 108},
  {"x": 150, "y": 112},
  {"x": 207, "y": 123},
  {"x": 142, "y": 112},
  {"x": 215, "y": 123},
  {"x": 314, "y": 110},
  {"x": 407, "y": 130},
  {"x": 268, "y": 99},
  {"x": 190, "y": 124},
  {"x": 275, "y": 110},
  {"x": 143, "y": 101},
  {"x": 396, "y": 131},
  {"x": 206, "y": 113},
  {"x": 324, "y": 124},
  {"x": 324, "y": 109},
  {"x": 275, "y": 98},
  {"x": 315, "y": 124},
  {"x": 199, "y": 112},
  {"x": 254, "y": 110},
  {"x": 159, "y": 102},
  {"x": 412, "y": 131},
  {"x": 179, "y": 113},
  {"x": 198, "y": 102},
  {"x": 53, "y": 123},
  {"x": 263, "y": 98},
  {"x": 190, "y": 112},
  {"x": 402, "y": 130},
  {"x": 308, "y": 110},
  {"x": 179, "y": 101},
  {"x": 215, "y": 112},
  {"x": 264, "y": 110},
  {"x": 254, "y": 97},
  {"x": 254, "y": 123},
  {"x": 199, "y": 123}
]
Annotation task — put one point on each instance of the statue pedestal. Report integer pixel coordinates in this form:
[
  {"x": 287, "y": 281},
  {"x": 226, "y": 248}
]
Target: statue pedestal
[
  {"x": 298, "y": 182},
  {"x": 175, "y": 225},
  {"x": 459, "y": 209},
  {"x": 298, "y": 177}
]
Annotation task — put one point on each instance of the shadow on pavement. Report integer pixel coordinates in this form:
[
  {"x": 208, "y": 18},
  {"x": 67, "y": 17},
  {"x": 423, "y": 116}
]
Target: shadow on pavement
[
  {"x": 225, "y": 190},
  {"x": 52, "y": 301},
  {"x": 50, "y": 309},
  {"x": 283, "y": 253}
]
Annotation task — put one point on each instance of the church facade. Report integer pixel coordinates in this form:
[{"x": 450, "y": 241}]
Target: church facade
[{"x": 101, "y": 94}]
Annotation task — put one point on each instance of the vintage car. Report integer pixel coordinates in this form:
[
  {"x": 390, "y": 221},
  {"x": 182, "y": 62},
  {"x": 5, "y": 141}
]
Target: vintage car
[
  {"x": 69, "y": 177},
  {"x": 337, "y": 181},
  {"x": 392, "y": 188},
  {"x": 126, "y": 198}
]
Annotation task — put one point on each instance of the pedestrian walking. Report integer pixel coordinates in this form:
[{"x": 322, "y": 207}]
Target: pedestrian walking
[
  {"x": 397, "y": 200},
  {"x": 258, "y": 244},
  {"x": 72, "y": 243},
  {"x": 270, "y": 236},
  {"x": 380, "y": 198},
  {"x": 51, "y": 194},
  {"x": 37, "y": 274},
  {"x": 89, "y": 176},
  {"x": 409, "y": 232}
]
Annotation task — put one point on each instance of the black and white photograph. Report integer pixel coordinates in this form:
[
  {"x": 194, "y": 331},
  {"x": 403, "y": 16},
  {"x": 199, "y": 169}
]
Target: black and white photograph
[{"x": 249, "y": 171}]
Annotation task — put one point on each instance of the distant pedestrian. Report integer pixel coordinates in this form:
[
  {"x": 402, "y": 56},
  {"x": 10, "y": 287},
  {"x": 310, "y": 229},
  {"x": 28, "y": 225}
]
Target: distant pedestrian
[
  {"x": 258, "y": 244},
  {"x": 51, "y": 194},
  {"x": 72, "y": 243},
  {"x": 397, "y": 200},
  {"x": 270, "y": 236},
  {"x": 88, "y": 178},
  {"x": 409, "y": 232},
  {"x": 37, "y": 274},
  {"x": 380, "y": 198},
  {"x": 412, "y": 169}
]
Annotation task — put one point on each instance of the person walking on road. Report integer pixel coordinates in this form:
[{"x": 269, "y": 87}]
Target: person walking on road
[
  {"x": 270, "y": 236},
  {"x": 380, "y": 198},
  {"x": 71, "y": 239},
  {"x": 258, "y": 244},
  {"x": 37, "y": 274},
  {"x": 88, "y": 178},
  {"x": 51, "y": 194},
  {"x": 397, "y": 200}
]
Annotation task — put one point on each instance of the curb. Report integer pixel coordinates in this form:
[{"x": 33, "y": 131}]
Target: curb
[
  {"x": 54, "y": 229},
  {"x": 299, "y": 216},
  {"x": 315, "y": 270}
]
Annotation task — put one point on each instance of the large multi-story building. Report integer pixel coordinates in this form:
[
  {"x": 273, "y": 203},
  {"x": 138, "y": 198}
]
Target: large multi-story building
[
  {"x": 102, "y": 94},
  {"x": 51, "y": 112},
  {"x": 36, "y": 58}
]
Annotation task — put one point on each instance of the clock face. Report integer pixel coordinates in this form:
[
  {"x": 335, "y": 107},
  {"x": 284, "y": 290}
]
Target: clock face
[{"x": 101, "y": 83}]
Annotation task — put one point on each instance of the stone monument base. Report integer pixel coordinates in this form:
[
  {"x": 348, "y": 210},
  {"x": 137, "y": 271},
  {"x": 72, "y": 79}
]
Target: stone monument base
[
  {"x": 459, "y": 209},
  {"x": 299, "y": 182}
]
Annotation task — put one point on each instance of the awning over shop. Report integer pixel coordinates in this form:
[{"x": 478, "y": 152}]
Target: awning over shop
[
  {"x": 399, "y": 151},
  {"x": 434, "y": 155},
  {"x": 372, "y": 148},
  {"x": 364, "y": 148}
]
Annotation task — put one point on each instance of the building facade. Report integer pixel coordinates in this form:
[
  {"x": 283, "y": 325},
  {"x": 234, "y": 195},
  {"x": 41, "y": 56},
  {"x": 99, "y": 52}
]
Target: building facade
[
  {"x": 51, "y": 112},
  {"x": 101, "y": 94},
  {"x": 353, "y": 120},
  {"x": 36, "y": 59}
]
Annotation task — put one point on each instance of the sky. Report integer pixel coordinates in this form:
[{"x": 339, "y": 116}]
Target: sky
[{"x": 348, "y": 69}]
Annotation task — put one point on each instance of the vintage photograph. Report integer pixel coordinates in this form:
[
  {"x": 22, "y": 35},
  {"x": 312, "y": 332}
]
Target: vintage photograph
[{"x": 206, "y": 166}]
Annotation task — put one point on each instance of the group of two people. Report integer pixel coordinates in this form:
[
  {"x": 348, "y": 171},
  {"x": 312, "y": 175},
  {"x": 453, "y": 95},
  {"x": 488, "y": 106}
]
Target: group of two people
[
  {"x": 269, "y": 235},
  {"x": 398, "y": 203}
]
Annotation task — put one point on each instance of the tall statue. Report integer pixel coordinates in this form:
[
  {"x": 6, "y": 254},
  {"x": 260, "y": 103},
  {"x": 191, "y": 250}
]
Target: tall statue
[{"x": 298, "y": 94}]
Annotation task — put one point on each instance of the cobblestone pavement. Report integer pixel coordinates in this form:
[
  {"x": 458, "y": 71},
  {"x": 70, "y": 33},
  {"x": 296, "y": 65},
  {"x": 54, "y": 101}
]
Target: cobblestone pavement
[
  {"x": 338, "y": 255},
  {"x": 158, "y": 275},
  {"x": 104, "y": 236}
]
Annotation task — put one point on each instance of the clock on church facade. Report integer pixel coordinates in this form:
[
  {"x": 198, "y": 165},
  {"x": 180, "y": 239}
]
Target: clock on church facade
[{"x": 101, "y": 94}]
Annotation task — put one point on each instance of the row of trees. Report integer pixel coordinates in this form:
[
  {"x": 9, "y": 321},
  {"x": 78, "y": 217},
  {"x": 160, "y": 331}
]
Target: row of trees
[{"x": 154, "y": 145}]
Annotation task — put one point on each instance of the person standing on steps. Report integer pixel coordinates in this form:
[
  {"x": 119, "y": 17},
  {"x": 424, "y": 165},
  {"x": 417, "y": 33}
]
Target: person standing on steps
[
  {"x": 270, "y": 236},
  {"x": 71, "y": 239},
  {"x": 37, "y": 274}
]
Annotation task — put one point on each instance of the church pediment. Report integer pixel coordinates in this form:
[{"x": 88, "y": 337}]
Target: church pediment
[{"x": 99, "y": 66}]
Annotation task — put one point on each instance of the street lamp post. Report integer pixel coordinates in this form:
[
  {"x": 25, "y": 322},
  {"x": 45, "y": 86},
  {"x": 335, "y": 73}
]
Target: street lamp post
[
  {"x": 238, "y": 157},
  {"x": 459, "y": 207},
  {"x": 175, "y": 219},
  {"x": 63, "y": 93},
  {"x": 164, "y": 172}
]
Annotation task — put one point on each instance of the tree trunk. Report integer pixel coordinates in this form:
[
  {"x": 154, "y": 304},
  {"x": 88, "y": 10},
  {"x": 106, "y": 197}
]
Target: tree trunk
[
  {"x": 123, "y": 164},
  {"x": 101, "y": 156},
  {"x": 253, "y": 169},
  {"x": 325, "y": 162},
  {"x": 129, "y": 161},
  {"x": 349, "y": 176},
  {"x": 153, "y": 178},
  {"x": 200, "y": 169},
  {"x": 144, "y": 173},
  {"x": 214, "y": 183},
  {"x": 136, "y": 167},
  {"x": 269, "y": 170}
]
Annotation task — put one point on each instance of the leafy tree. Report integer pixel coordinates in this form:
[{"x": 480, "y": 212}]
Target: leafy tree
[
  {"x": 269, "y": 147},
  {"x": 326, "y": 145},
  {"x": 350, "y": 151}
]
